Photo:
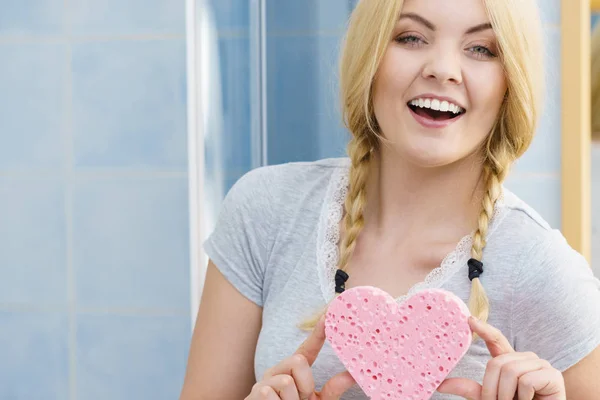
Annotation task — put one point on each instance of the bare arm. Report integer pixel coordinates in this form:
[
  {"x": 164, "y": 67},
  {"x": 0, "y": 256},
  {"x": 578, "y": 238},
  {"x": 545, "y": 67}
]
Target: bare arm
[
  {"x": 583, "y": 379},
  {"x": 221, "y": 359}
]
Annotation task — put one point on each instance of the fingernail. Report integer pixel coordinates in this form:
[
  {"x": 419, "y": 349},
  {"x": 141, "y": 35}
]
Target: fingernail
[{"x": 474, "y": 319}]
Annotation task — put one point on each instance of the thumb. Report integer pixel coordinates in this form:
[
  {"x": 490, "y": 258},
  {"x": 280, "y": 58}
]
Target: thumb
[
  {"x": 462, "y": 387},
  {"x": 336, "y": 387}
]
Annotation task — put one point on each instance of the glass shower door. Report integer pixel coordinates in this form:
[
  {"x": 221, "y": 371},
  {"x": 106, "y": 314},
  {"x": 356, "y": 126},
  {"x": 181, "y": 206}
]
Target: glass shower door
[
  {"x": 303, "y": 43},
  {"x": 225, "y": 133},
  {"x": 263, "y": 90}
]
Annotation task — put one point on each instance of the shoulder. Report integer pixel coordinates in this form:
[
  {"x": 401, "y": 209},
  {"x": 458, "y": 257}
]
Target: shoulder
[
  {"x": 286, "y": 183},
  {"x": 553, "y": 293},
  {"x": 267, "y": 198},
  {"x": 527, "y": 239},
  {"x": 523, "y": 236}
]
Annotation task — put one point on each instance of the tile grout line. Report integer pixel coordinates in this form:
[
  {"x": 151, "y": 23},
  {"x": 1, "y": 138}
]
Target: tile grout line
[
  {"x": 91, "y": 311},
  {"x": 69, "y": 181},
  {"x": 70, "y": 39},
  {"x": 96, "y": 175},
  {"x": 242, "y": 34}
]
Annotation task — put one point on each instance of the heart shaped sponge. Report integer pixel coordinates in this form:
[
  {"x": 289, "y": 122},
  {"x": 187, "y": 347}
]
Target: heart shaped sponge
[{"x": 398, "y": 351}]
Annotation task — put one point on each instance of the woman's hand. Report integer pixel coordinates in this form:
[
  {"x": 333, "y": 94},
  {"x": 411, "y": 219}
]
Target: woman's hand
[
  {"x": 292, "y": 379},
  {"x": 509, "y": 375}
]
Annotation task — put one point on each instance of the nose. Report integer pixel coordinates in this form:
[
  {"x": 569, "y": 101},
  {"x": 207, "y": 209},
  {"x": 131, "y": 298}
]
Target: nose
[{"x": 444, "y": 66}]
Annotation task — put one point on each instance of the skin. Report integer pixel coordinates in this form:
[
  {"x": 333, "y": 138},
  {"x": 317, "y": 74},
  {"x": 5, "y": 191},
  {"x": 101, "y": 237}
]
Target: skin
[
  {"x": 431, "y": 52},
  {"x": 419, "y": 198}
]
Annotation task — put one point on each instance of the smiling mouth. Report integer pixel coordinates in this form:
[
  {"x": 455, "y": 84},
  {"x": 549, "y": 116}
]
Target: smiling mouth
[{"x": 435, "y": 115}]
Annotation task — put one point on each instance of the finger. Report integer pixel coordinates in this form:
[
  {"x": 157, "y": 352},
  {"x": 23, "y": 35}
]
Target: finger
[
  {"x": 495, "y": 341},
  {"x": 544, "y": 382},
  {"x": 511, "y": 373},
  {"x": 266, "y": 393},
  {"x": 296, "y": 366},
  {"x": 336, "y": 386},
  {"x": 314, "y": 343},
  {"x": 491, "y": 379},
  {"x": 462, "y": 387},
  {"x": 283, "y": 385}
]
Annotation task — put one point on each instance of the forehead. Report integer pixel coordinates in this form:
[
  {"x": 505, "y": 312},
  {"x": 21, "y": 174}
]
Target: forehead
[{"x": 460, "y": 14}]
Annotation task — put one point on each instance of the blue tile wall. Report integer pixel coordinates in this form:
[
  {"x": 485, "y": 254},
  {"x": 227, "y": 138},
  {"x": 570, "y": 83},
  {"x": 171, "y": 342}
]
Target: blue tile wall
[
  {"x": 123, "y": 358},
  {"x": 33, "y": 17},
  {"x": 128, "y": 250},
  {"x": 32, "y": 105},
  {"x": 94, "y": 241},
  {"x": 33, "y": 245},
  {"x": 116, "y": 85},
  {"x": 34, "y": 348},
  {"x": 131, "y": 17}
]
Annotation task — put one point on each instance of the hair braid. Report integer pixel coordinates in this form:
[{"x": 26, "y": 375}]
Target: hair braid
[
  {"x": 359, "y": 151},
  {"x": 478, "y": 301}
]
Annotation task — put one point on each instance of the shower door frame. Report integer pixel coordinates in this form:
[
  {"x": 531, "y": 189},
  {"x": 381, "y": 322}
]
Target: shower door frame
[{"x": 576, "y": 129}]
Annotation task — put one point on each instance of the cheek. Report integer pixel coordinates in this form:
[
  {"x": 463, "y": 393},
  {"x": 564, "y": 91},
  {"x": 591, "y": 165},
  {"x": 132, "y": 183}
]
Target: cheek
[
  {"x": 488, "y": 87},
  {"x": 394, "y": 77}
]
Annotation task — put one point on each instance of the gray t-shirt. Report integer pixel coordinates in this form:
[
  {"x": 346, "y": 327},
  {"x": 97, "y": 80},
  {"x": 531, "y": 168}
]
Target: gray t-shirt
[{"x": 275, "y": 241}]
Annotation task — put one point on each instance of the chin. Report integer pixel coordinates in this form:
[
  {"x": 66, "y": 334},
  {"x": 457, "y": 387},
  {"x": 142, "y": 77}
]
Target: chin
[
  {"x": 430, "y": 153},
  {"x": 431, "y": 160}
]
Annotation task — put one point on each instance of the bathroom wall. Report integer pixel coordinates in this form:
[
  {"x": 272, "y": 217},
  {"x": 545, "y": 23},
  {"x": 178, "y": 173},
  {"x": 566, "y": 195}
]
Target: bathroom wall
[
  {"x": 94, "y": 264},
  {"x": 536, "y": 177}
]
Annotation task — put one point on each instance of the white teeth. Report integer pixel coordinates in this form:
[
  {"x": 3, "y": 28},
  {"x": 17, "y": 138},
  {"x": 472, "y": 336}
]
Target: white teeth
[{"x": 437, "y": 105}]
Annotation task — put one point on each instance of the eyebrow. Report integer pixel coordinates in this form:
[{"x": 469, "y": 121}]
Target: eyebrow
[{"x": 430, "y": 26}]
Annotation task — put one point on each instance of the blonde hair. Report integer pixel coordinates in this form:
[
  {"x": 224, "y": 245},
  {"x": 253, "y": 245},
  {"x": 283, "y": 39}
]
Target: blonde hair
[
  {"x": 518, "y": 30},
  {"x": 596, "y": 83}
]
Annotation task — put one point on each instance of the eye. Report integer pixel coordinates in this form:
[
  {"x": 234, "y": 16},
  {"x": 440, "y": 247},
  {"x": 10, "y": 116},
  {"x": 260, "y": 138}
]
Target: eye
[
  {"x": 482, "y": 52},
  {"x": 410, "y": 40}
]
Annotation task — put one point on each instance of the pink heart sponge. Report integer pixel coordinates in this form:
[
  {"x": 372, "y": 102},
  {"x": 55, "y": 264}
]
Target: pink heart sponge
[{"x": 398, "y": 351}]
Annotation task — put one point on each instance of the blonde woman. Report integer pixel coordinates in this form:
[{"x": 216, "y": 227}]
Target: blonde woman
[{"x": 441, "y": 97}]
